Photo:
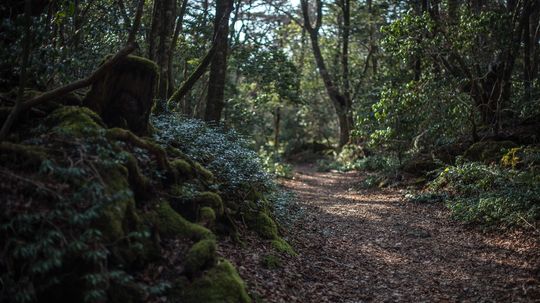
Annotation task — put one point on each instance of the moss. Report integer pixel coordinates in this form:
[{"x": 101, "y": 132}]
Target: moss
[
  {"x": 271, "y": 262},
  {"x": 264, "y": 226},
  {"x": 203, "y": 172},
  {"x": 488, "y": 151},
  {"x": 75, "y": 121},
  {"x": 210, "y": 199},
  {"x": 201, "y": 256},
  {"x": 522, "y": 157},
  {"x": 183, "y": 168},
  {"x": 111, "y": 222},
  {"x": 207, "y": 216},
  {"x": 172, "y": 224},
  {"x": 220, "y": 284},
  {"x": 282, "y": 246}
]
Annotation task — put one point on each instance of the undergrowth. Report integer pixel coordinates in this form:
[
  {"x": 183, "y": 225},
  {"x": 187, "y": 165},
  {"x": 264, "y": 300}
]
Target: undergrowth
[{"x": 488, "y": 194}]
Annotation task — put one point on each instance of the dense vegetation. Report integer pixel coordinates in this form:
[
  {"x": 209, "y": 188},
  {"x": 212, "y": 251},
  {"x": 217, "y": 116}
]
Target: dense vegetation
[{"x": 136, "y": 129}]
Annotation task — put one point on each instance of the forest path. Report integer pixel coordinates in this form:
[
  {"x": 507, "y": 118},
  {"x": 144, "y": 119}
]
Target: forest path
[{"x": 372, "y": 246}]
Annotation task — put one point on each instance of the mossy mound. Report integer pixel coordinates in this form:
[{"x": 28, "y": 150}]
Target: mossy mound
[
  {"x": 74, "y": 121},
  {"x": 207, "y": 216},
  {"x": 172, "y": 224},
  {"x": 488, "y": 151},
  {"x": 201, "y": 256},
  {"x": 264, "y": 226},
  {"x": 210, "y": 199},
  {"x": 220, "y": 284}
]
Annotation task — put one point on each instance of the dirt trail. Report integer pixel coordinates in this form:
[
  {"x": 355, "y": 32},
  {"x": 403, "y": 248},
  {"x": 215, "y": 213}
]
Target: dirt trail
[{"x": 371, "y": 246}]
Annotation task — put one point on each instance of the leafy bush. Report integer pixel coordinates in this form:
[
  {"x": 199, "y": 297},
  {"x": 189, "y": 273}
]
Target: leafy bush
[
  {"x": 490, "y": 195},
  {"x": 273, "y": 163},
  {"x": 227, "y": 154}
]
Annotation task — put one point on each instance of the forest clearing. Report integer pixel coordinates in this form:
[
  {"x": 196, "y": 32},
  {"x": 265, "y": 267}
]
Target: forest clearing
[{"x": 269, "y": 151}]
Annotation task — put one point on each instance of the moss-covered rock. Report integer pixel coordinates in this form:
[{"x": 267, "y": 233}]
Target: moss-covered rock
[
  {"x": 207, "y": 216},
  {"x": 488, "y": 151},
  {"x": 210, "y": 199},
  {"x": 74, "y": 121},
  {"x": 264, "y": 226},
  {"x": 171, "y": 224},
  {"x": 206, "y": 174},
  {"x": 220, "y": 284},
  {"x": 201, "y": 255}
]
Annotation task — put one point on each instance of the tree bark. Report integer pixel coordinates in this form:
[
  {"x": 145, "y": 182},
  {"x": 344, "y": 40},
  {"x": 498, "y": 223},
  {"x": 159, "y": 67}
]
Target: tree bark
[
  {"x": 339, "y": 100},
  {"x": 218, "y": 68}
]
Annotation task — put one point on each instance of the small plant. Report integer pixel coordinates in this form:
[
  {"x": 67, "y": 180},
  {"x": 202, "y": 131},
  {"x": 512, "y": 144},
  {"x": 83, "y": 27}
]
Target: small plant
[{"x": 490, "y": 195}]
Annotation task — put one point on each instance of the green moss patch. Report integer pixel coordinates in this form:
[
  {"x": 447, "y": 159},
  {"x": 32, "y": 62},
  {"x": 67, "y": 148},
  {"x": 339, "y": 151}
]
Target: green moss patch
[
  {"x": 221, "y": 284},
  {"x": 282, "y": 246},
  {"x": 488, "y": 151},
  {"x": 264, "y": 226},
  {"x": 210, "y": 199},
  {"x": 172, "y": 224},
  {"x": 207, "y": 216},
  {"x": 201, "y": 256},
  {"x": 75, "y": 121},
  {"x": 271, "y": 262}
]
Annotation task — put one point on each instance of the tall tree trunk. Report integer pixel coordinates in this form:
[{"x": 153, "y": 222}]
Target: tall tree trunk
[
  {"x": 159, "y": 43},
  {"x": 218, "y": 68},
  {"x": 339, "y": 100},
  {"x": 172, "y": 49}
]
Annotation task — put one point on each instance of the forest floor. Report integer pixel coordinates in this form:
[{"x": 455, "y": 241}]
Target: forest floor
[{"x": 373, "y": 246}]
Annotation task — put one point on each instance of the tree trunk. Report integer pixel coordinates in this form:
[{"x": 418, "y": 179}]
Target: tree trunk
[
  {"x": 124, "y": 96},
  {"x": 159, "y": 41},
  {"x": 218, "y": 68},
  {"x": 339, "y": 100}
]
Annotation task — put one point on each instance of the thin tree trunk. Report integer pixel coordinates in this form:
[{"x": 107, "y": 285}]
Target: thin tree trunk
[
  {"x": 218, "y": 68},
  {"x": 177, "y": 31},
  {"x": 339, "y": 101}
]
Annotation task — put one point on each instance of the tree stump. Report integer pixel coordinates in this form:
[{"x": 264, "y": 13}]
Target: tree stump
[{"x": 124, "y": 97}]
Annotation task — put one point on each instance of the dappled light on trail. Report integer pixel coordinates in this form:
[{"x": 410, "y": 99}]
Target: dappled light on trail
[{"x": 372, "y": 246}]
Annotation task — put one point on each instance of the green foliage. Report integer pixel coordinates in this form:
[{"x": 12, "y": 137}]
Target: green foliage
[
  {"x": 201, "y": 256},
  {"x": 55, "y": 216},
  {"x": 220, "y": 284},
  {"x": 273, "y": 163},
  {"x": 236, "y": 167},
  {"x": 490, "y": 195}
]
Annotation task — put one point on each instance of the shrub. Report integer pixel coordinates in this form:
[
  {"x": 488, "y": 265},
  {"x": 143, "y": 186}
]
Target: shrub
[
  {"x": 490, "y": 195},
  {"x": 237, "y": 168}
]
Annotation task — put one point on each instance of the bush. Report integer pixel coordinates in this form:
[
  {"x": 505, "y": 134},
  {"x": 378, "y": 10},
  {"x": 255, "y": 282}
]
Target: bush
[
  {"x": 238, "y": 169},
  {"x": 490, "y": 195}
]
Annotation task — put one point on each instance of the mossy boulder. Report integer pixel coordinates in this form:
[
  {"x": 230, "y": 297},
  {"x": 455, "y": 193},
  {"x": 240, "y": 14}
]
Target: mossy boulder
[
  {"x": 488, "y": 151},
  {"x": 210, "y": 199},
  {"x": 74, "y": 121},
  {"x": 207, "y": 216},
  {"x": 201, "y": 256},
  {"x": 220, "y": 284},
  {"x": 171, "y": 224},
  {"x": 263, "y": 225}
]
